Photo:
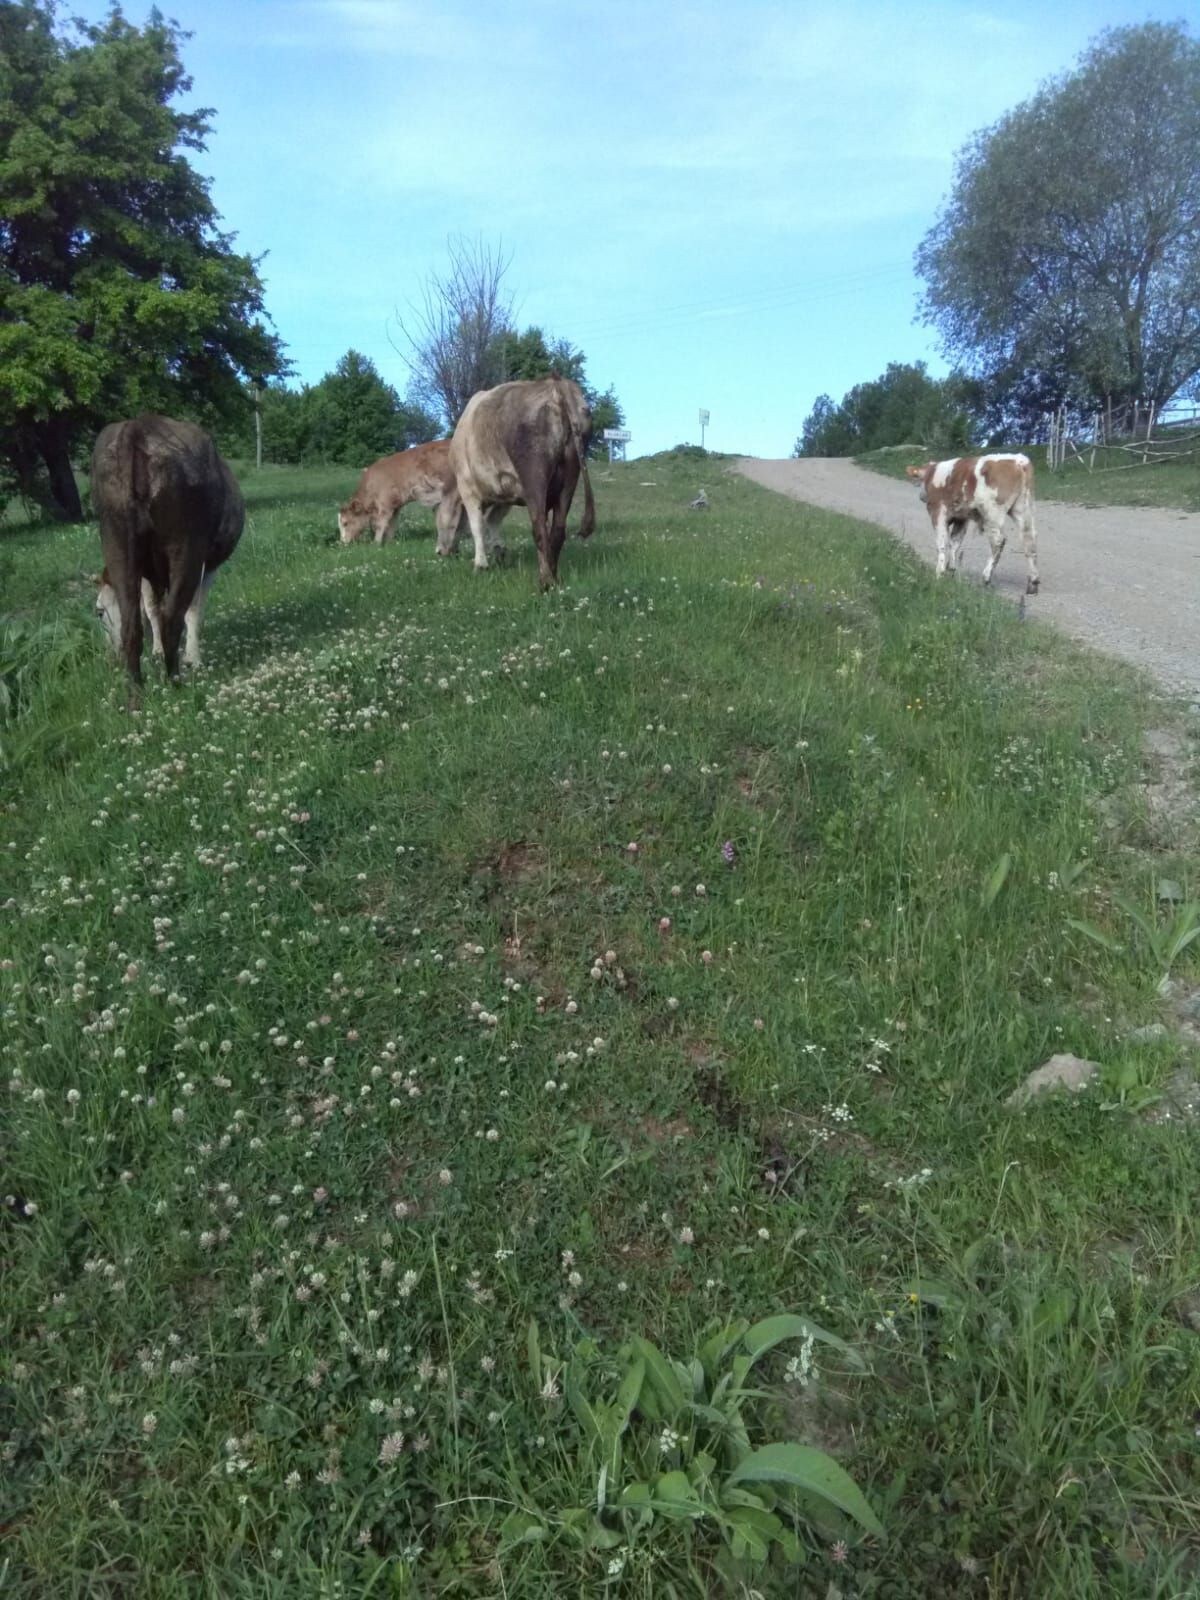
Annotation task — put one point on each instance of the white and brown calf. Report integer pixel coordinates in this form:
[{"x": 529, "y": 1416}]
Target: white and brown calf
[{"x": 985, "y": 490}]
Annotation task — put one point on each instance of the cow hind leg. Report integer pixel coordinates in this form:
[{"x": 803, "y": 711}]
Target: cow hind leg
[
  {"x": 494, "y": 518},
  {"x": 193, "y": 618},
  {"x": 180, "y": 595},
  {"x": 558, "y": 530},
  {"x": 547, "y": 558},
  {"x": 450, "y": 522},
  {"x": 958, "y": 537},
  {"x": 997, "y": 536},
  {"x": 151, "y": 609},
  {"x": 941, "y": 529},
  {"x": 475, "y": 517},
  {"x": 1024, "y": 521},
  {"x": 132, "y": 634}
]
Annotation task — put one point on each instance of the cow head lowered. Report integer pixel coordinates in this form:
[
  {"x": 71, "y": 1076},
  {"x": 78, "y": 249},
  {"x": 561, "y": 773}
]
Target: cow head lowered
[
  {"x": 353, "y": 517},
  {"x": 920, "y": 476},
  {"x": 108, "y": 609}
]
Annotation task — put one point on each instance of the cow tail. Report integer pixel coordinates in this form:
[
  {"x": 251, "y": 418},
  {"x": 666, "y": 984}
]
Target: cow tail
[
  {"x": 588, "y": 526},
  {"x": 134, "y": 478}
]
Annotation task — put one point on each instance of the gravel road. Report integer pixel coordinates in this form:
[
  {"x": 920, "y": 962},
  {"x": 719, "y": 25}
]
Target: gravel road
[{"x": 1124, "y": 579}]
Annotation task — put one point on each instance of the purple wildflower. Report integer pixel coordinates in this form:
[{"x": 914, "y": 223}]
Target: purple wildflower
[{"x": 729, "y": 851}]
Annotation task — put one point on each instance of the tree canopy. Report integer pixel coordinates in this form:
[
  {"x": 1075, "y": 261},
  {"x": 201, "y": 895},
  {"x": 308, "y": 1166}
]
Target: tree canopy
[
  {"x": 1065, "y": 264},
  {"x": 902, "y": 406},
  {"x": 118, "y": 291},
  {"x": 351, "y": 417}
]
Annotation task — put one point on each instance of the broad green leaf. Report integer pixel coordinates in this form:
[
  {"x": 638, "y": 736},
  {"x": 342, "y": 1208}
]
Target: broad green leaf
[
  {"x": 534, "y": 1346},
  {"x": 602, "y": 1538},
  {"x": 936, "y": 1292},
  {"x": 789, "y": 1545},
  {"x": 664, "y": 1378},
  {"x": 635, "y": 1494},
  {"x": 765, "y": 1335},
  {"x": 1096, "y": 935},
  {"x": 1053, "y": 1311},
  {"x": 675, "y": 1497},
  {"x": 579, "y": 1402},
  {"x": 731, "y": 1497},
  {"x": 631, "y": 1388},
  {"x": 718, "y": 1345},
  {"x": 1146, "y": 924},
  {"x": 809, "y": 1469},
  {"x": 521, "y": 1527},
  {"x": 996, "y": 880},
  {"x": 746, "y": 1543}
]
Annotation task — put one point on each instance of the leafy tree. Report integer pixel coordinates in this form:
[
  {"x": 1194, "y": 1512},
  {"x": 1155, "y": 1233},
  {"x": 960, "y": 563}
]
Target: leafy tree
[
  {"x": 352, "y": 416},
  {"x": 118, "y": 291},
  {"x": 826, "y": 431},
  {"x": 607, "y": 412},
  {"x": 531, "y": 355},
  {"x": 1065, "y": 265},
  {"x": 902, "y": 406}
]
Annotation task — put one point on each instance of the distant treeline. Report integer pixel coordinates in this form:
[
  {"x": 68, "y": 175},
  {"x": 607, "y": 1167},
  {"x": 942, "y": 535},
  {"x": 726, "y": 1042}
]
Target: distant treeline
[
  {"x": 903, "y": 406},
  {"x": 352, "y": 416}
]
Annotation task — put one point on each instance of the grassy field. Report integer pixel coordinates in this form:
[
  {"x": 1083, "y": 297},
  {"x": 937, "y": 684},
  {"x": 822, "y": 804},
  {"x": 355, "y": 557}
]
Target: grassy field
[
  {"x": 452, "y": 987},
  {"x": 1175, "y": 485}
]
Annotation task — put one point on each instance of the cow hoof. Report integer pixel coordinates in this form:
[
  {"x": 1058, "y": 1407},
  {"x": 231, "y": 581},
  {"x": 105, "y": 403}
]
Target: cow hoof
[{"x": 1032, "y": 586}]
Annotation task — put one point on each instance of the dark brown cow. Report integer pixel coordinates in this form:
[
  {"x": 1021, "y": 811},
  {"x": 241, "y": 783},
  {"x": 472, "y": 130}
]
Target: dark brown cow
[
  {"x": 422, "y": 474},
  {"x": 986, "y": 490},
  {"x": 170, "y": 513},
  {"x": 525, "y": 442}
]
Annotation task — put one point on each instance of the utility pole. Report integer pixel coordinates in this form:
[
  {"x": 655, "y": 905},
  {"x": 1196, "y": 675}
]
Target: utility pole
[{"x": 703, "y": 425}]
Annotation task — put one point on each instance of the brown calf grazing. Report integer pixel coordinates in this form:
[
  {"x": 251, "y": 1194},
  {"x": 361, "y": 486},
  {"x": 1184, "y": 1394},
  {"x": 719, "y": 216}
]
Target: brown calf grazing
[
  {"x": 421, "y": 474},
  {"x": 986, "y": 490},
  {"x": 523, "y": 442},
  {"x": 170, "y": 513}
]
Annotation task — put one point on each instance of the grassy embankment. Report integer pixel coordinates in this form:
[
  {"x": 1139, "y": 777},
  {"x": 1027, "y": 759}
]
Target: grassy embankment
[
  {"x": 1174, "y": 485},
  {"x": 346, "y": 1036}
]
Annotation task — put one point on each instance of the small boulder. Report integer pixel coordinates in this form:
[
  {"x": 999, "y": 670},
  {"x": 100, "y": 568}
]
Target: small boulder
[
  {"x": 1151, "y": 1033},
  {"x": 1067, "y": 1072}
]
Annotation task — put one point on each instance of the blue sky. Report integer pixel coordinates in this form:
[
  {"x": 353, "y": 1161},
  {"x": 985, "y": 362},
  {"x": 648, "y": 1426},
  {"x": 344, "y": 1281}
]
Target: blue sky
[{"x": 718, "y": 201}]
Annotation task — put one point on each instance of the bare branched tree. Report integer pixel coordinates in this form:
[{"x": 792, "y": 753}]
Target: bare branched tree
[{"x": 450, "y": 335}]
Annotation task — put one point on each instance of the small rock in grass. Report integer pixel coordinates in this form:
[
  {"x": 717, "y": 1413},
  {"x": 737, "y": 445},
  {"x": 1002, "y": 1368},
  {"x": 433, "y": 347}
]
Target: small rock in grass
[
  {"x": 1067, "y": 1072},
  {"x": 1150, "y": 1034}
]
